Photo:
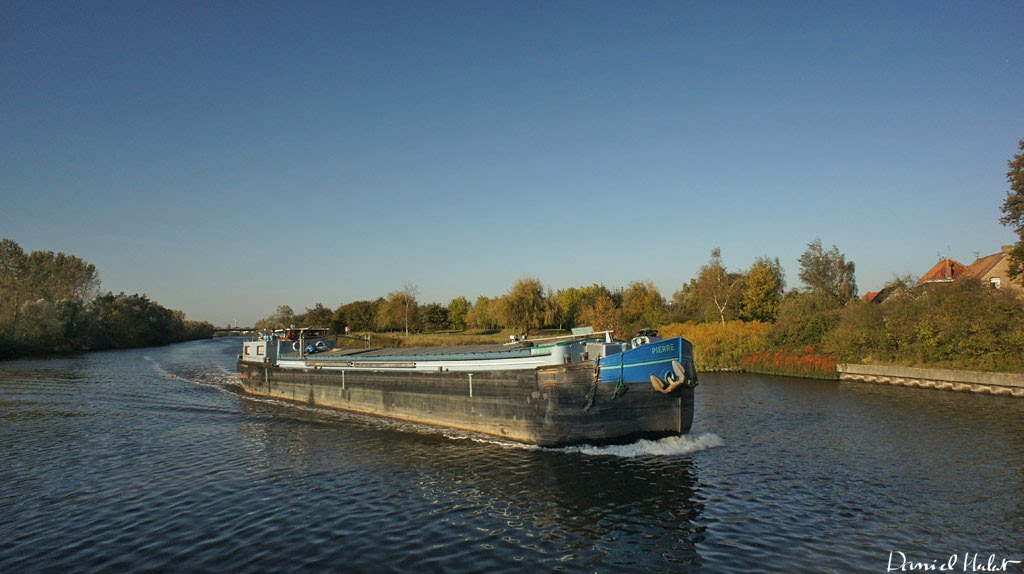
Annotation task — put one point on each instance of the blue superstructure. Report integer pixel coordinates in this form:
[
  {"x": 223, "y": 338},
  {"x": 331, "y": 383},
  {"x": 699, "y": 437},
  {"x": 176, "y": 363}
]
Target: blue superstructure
[{"x": 639, "y": 364}]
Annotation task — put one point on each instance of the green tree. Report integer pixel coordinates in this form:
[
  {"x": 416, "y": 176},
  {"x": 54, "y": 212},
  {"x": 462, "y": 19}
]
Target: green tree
[
  {"x": 1013, "y": 210},
  {"x": 859, "y": 334},
  {"x": 357, "y": 316},
  {"x": 13, "y": 287},
  {"x": 40, "y": 326},
  {"x": 434, "y": 317},
  {"x": 57, "y": 276},
  {"x": 484, "y": 313},
  {"x": 457, "y": 310},
  {"x": 318, "y": 316},
  {"x": 41, "y": 276},
  {"x": 552, "y": 311},
  {"x": 570, "y": 305},
  {"x": 804, "y": 319},
  {"x": 524, "y": 304},
  {"x": 828, "y": 273},
  {"x": 765, "y": 286},
  {"x": 642, "y": 306},
  {"x": 593, "y": 292},
  {"x": 74, "y": 318},
  {"x": 685, "y": 305},
  {"x": 398, "y": 312},
  {"x": 282, "y": 318},
  {"x": 570, "y": 301}
]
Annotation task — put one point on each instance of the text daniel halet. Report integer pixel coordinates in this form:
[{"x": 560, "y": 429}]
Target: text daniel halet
[{"x": 966, "y": 562}]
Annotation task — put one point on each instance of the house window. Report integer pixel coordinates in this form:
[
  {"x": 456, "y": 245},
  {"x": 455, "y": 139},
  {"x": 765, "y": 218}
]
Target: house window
[{"x": 994, "y": 282}]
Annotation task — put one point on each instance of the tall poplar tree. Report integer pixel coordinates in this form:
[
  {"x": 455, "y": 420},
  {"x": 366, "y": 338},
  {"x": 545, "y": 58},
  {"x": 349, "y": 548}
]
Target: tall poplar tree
[{"x": 1013, "y": 210}]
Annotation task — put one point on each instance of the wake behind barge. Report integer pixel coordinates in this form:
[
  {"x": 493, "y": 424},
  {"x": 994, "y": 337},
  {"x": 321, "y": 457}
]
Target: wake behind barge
[{"x": 585, "y": 389}]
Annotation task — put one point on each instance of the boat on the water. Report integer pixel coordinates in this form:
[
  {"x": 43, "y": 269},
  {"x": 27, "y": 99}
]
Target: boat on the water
[{"x": 586, "y": 388}]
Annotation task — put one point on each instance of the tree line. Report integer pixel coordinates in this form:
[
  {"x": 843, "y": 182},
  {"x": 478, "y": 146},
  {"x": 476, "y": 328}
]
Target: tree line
[
  {"x": 51, "y": 303},
  {"x": 962, "y": 325},
  {"x": 717, "y": 294}
]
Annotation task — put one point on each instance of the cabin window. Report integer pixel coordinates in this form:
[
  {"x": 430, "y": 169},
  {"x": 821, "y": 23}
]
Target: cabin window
[
  {"x": 259, "y": 349},
  {"x": 994, "y": 283}
]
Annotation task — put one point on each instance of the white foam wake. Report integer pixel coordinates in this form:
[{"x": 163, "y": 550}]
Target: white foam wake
[
  {"x": 673, "y": 445},
  {"x": 220, "y": 379}
]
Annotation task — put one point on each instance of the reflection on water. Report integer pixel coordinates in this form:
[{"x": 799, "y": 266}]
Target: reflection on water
[
  {"x": 479, "y": 499},
  {"x": 152, "y": 460}
]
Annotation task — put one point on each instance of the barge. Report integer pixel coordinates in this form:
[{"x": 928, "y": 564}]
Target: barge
[{"x": 581, "y": 389}]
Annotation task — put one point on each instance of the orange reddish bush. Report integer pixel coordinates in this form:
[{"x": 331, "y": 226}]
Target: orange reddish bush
[{"x": 810, "y": 361}]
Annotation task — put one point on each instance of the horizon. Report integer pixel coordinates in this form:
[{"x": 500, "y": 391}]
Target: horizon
[{"x": 225, "y": 163}]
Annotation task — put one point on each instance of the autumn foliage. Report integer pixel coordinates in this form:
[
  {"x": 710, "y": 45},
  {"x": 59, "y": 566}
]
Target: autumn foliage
[
  {"x": 811, "y": 361},
  {"x": 720, "y": 346}
]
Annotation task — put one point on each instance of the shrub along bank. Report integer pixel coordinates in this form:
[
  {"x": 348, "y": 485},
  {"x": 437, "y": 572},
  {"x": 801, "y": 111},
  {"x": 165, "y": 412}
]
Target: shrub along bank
[{"x": 965, "y": 325}]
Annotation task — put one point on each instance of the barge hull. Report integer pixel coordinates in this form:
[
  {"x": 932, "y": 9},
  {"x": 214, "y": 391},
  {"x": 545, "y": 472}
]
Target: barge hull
[{"x": 546, "y": 406}]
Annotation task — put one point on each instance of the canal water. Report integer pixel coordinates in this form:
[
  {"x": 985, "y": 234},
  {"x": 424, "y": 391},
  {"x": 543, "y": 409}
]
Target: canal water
[{"x": 150, "y": 460}]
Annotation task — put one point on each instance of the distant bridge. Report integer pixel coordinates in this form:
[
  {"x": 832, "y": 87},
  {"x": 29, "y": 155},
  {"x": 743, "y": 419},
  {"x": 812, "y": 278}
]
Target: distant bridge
[{"x": 233, "y": 331}]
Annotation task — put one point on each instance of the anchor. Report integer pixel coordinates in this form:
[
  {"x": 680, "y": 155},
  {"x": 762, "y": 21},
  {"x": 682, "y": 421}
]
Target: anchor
[{"x": 675, "y": 380}]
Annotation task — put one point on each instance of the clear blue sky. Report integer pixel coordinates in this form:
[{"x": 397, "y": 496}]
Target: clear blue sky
[{"x": 225, "y": 158}]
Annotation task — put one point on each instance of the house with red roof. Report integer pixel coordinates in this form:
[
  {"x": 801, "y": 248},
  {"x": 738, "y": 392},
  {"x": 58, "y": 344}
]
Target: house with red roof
[
  {"x": 871, "y": 296},
  {"x": 945, "y": 271},
  {"x": 992, "y": 270},
  {"x": 884, "y": 293}
]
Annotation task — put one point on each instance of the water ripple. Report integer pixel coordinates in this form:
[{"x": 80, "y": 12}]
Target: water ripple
[{"x": 152, "y": 461}]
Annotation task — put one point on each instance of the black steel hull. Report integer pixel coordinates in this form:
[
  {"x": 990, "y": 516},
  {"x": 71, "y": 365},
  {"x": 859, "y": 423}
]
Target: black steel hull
[{"x": 546, "y": 406}]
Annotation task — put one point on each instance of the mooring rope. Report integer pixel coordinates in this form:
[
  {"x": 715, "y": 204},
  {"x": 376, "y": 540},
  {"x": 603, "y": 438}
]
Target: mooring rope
[
  {"x": 620, "y": 385},
  {"x": 593, "y": 390}
]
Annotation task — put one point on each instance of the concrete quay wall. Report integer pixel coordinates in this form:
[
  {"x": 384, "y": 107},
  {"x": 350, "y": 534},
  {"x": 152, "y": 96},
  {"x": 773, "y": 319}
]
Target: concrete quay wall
[{"x": 1008, "y": 384}]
